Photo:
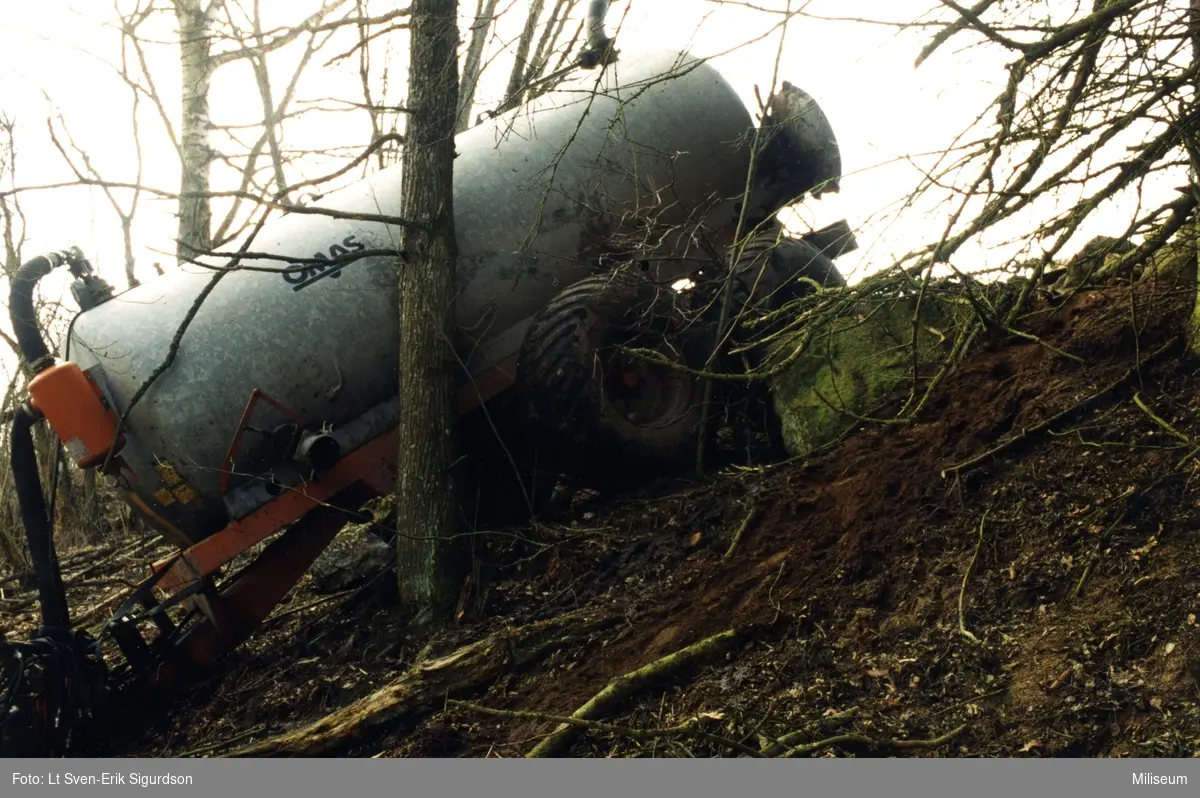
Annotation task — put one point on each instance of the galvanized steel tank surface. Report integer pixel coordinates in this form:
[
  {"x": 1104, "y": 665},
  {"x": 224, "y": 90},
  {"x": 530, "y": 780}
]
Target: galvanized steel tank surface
[{"x": 535, "y": 190}]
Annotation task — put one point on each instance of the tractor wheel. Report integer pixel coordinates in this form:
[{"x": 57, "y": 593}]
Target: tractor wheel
[{"x": 588, "y": 400}]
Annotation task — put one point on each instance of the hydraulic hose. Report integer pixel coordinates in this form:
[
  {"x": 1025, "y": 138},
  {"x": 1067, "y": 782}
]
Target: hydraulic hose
[
  {"x": 36, "y": 717},
  {"x": 39, "y": 534},
  {"x": 20, "y": 307}
]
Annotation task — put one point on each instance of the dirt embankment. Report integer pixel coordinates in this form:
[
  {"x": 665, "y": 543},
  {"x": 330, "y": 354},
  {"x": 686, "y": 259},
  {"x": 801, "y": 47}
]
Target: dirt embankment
[{"x": 1022, "y": 562}]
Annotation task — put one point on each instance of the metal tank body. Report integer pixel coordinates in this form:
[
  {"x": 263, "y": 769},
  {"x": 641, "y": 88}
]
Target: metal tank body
[{"x": 539, "y": 194}]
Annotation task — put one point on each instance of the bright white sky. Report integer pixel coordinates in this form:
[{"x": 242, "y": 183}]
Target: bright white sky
[{"x": 882, "y": 109}]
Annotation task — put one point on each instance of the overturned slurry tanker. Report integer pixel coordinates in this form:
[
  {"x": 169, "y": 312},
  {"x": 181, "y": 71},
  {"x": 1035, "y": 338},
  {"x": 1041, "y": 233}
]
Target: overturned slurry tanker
[{"x": 253, "y": 392}]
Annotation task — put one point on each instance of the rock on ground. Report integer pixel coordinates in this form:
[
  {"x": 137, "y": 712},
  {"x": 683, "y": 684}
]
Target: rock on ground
[
  {"x": 355, "y": 555},
  {"x": 854, "y": 363}
]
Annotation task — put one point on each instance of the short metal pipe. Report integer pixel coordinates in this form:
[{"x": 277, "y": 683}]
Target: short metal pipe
[{"x": 319, "y": 450}]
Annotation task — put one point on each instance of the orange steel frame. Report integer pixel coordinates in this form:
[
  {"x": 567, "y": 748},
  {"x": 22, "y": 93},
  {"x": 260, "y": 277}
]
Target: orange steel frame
[
  {"x": 255, "y": 396},
  {"x": 315, "y": 511},
  {"x": 364, "y": 465}
]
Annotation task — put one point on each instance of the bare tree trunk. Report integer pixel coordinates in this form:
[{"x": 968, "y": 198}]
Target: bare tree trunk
[
  {"x": 521, "y": 67},
  {"x": 12, "y": 547},
  {"x": 12, "y": 257},
  {"x": 10, "y": 207},
  {"x": 195, "y": 19},
  {"x": 131, "y": 279},
  {"x": 550, "y": 35},
  {"x": 1194, "y": 331},
  {"x": 429, "y": 559},
  {"x": 484, "y": 17},
  {"x": 270, "y": 121}
]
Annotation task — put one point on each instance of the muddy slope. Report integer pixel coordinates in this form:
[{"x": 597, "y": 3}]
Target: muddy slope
[{"x": 1020, "y": 567}]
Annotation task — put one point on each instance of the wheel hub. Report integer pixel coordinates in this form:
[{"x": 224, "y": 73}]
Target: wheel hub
[{"x": 641, "y": 392}]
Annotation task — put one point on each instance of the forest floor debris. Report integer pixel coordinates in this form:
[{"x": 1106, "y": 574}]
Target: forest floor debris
[{"x": 878, "y": 613}]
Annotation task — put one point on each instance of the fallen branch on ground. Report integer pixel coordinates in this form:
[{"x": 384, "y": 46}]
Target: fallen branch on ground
[
  {"x": 622, "y": 688},
  {"x": 873, "y": 744},
  {"x": 121, "y": 554},
  {"x": 425, "y": 687},
  {"x": 771, "y": 748},
  {"x": 689, "y": 728},
  {"x": 69, "y": 561},
  {"x": 962, "y": 592},
  {"x": 211, "y": 747},
  {"x": 741, "y": 530},
  {"x": 785, "y": 746},
  {"x": 106, "y": 602},
  {"x": 1162, "y": 422}
]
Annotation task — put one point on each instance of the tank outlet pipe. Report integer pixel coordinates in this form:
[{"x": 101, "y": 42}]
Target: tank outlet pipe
[
  {"x": 318, "y": 450},
  {"x": 599, "y": 46}
]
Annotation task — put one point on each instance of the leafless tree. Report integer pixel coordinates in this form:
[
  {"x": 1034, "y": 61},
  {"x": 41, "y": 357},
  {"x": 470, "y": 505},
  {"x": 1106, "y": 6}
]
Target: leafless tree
[
  {"x": 84, "y": 170},
  {"x": 11, "y": 547},
  {"x": 198, "y": 61},
  {"x": 429, "y": 553},
  {"x": 1097, "y": 113},
  {"x": 473, "y": 66},
  {"x": 10, "y": 206}
]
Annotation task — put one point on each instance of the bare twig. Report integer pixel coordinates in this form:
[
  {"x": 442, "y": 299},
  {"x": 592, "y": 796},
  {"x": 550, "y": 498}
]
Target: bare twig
[
  {"x": 237, "y": 738},
  {"x": 741, "y": 530},
  {"x": 1137, "y": 399},
  {"x": 873, "y": 743},
  {"x": 623, "y": 687},
  {"x": 689, "y": 728},
  {"x": 962, "y": 593}
]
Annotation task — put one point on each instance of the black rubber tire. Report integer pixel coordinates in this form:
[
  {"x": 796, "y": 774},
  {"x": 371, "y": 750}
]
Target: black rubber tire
[{"x": 568, "y": 368}]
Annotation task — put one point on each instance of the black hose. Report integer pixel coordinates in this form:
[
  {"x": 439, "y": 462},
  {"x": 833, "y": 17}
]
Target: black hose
[
  {"x": 24, "y": 317},
  {"x": 39, "y": 533},
  {"x": 38, "y": 724},
  {"x": 598, "y": 41}
]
